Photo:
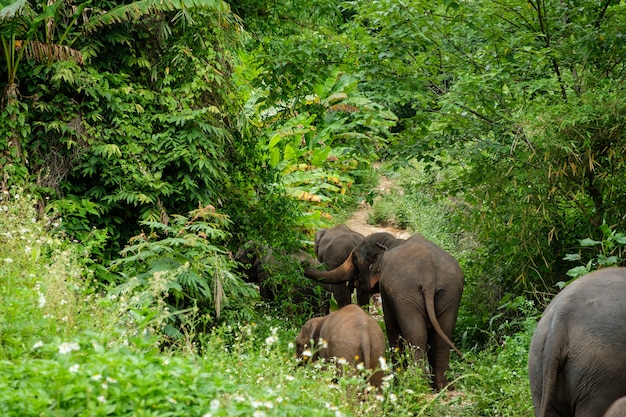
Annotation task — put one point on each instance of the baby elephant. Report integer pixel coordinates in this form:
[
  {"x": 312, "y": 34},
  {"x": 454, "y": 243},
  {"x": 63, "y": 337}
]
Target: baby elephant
[{"x": 349, "y": 333}]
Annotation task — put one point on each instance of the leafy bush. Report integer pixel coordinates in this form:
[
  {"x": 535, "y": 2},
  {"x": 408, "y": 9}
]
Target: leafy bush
[
  {"x": 176, "y": 280},
  {"x": 600, "y": 254}
]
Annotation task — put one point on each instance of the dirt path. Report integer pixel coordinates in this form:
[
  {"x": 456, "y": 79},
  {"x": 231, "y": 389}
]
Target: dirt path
[{"x": 358, "y": 220}]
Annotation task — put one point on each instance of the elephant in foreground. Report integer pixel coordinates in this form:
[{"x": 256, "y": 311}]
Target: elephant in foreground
[
  {"x": 618, "y": 409},
  {"x": 332, "y": 248},
  {"x": 349, "y": 333},
  {"x": 264, "y": 266},
  {"x": 421, "y": 287},
  {"x": 577, "y": 357}
]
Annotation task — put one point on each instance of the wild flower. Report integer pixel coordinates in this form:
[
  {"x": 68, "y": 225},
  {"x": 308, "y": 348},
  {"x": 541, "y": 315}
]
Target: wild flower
[
  {"x": 96, "y": 377},
  {"x": 383, "y": 364},
  {"x": 65, "y": 348},
  {"x": 360, "y": 366},
  {"x": 74, "y": 368},
  {"x": 323, "y": 344},
  {"x": 102, "y": 399},
  {"x": 307, "y": 353},
  {"x": 38, "y": 344}
]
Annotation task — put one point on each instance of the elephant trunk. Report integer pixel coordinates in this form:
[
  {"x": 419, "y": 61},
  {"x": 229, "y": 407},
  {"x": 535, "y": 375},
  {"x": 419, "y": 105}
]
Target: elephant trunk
[{"x": 344, "y": 272}]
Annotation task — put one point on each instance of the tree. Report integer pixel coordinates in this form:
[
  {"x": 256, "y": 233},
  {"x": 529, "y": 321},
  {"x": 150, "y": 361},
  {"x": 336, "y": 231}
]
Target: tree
[{"x": 524, "y": 98}]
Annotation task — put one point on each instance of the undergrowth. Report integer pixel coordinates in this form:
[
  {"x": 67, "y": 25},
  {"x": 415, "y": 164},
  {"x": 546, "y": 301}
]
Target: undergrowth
[{"x": 68, "y": 350}]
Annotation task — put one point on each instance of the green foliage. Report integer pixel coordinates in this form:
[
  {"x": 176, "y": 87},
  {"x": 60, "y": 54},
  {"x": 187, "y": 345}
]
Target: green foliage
[
  {"x": 604, "y": 253},
  {"x": 177, "y": 280},
  {"x": 526, "y": 106},
  {"x": 40, "y": 277},
  {"x": 323, "y": 143}
]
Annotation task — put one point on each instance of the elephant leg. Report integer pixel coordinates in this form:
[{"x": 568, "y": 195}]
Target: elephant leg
[
  {"x": 391, "y": 326},
  {"x": 439, "y": 359},
  {"x": 414, "y": 330},
  {"x": 439, "y": 350},
  {"x": 342, "y": 294}
]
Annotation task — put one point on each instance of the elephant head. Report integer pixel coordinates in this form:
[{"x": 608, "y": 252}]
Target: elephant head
[{"x": 362, "y": 265}]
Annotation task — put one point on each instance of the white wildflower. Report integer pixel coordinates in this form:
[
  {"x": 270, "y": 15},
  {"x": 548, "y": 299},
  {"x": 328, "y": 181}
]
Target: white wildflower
[
  {"x": 102, "y": 399},
  {"x": 383, "y": 364},
  {"x": 215, "y": 405},
  {"x": 96, "y": 377},
  {"x": 65, "y": 348},
  {"x": 38, "y": 345},
  {"x": 74, "y": 368}
]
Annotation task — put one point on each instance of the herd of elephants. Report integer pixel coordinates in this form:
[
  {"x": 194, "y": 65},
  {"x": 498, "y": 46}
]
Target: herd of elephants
[{"x": 577, "y": 356}]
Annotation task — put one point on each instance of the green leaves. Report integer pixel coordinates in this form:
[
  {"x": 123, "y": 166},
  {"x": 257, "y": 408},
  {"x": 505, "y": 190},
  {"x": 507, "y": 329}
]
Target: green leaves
[
  {"x": 176, "y": 269},
  {"x": 139, "y": 9}
]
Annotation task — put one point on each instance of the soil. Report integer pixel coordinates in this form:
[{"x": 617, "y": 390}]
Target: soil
[
  {"x": 358, "y": 220},
  {"x": 358, "y": 223}
]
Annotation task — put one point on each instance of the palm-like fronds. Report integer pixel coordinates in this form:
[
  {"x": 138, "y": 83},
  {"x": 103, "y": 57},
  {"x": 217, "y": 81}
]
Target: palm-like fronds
[
  {"x": 44, "y": 52},
  {"x": 136, "y": 10}
]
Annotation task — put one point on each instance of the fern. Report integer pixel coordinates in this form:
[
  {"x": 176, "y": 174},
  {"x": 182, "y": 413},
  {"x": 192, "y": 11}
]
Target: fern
[{"x": 176, "y": 268}]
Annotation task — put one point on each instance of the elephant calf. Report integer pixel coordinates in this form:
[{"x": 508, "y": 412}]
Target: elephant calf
[
  {"x": 349, "y": 333},
  {"x": 577, "y": 356}
]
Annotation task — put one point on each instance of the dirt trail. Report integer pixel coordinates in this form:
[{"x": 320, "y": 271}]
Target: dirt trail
[{"x": 358, "y": 220}]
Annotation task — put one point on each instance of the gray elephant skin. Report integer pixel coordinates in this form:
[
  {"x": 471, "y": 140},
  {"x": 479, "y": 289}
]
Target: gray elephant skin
[
  {"x": 618, "y": 409},
  {"x": 349, "y": 333},
  {"x": 577, "y": 356},
  {"x": 332, "y": 248},
  {"x": 421, "y": 286},
  {"x": 260, "y": 264}
]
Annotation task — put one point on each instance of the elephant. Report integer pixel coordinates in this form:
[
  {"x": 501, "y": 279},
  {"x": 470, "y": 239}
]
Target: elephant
[
  {"x": 349, "y": 333},
  {"x": 332, "y": 248},
  {"x": 618, "y": 409},
  {"x": 421, "y": 286},
  {"x": 262, "y": 265},
  {"x": 577, "y": 355}
]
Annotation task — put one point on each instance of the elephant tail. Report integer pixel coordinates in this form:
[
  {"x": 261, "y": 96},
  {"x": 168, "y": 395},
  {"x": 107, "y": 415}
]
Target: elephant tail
[{"x": 429, "y": 299}]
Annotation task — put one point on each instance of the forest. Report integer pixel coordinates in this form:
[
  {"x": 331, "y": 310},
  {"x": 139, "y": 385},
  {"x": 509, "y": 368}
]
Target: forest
[{"x": 143, "y": 143}]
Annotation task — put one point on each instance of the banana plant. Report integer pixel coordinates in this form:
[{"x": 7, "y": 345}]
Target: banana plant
[{"x": 320, "y": 144}]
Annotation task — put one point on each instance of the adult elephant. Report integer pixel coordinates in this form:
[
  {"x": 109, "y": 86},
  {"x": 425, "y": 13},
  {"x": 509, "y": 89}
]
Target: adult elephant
[
  {"x": 332, "y": 248},
  {"x": 262, "y": 265},
  {"x": 421, "y": 287},
  {"x": 577, "y": 357}
]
